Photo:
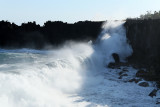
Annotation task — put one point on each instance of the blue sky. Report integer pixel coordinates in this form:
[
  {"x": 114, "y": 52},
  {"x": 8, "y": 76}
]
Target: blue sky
[{"x": 19, "y": 11}]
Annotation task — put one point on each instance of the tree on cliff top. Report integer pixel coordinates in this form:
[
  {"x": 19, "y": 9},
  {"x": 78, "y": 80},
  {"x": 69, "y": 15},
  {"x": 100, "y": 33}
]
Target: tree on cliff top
[{"x": 149, "y": 15}]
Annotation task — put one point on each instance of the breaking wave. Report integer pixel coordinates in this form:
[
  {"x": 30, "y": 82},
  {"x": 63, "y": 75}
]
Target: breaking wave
[{"x": 47, "y": 78}]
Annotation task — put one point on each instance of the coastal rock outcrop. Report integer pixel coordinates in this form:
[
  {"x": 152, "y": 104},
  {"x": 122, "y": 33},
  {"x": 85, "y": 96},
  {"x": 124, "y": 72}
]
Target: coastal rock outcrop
[{"x": 144, "y": 37}]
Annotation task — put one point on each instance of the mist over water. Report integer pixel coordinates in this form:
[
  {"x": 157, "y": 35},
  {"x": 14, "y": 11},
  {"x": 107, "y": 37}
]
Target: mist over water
[
  {"x": 113, "y": 40},
  {"x": 40, "y": 78}
]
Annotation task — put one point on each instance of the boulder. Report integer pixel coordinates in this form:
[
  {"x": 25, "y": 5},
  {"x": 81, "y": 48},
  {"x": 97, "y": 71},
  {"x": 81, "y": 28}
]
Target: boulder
[
  {"x": 111, "y": 65},
  {"x": 135, "y": 80},
  {"x": 143, "y": 84},
  {"x": 132, "y": 80},
  {"x": 141, "y": 73},
  {"x": 116, "y": 63},
  {"x": 116, "y": 57},
  {"x": 153, "y": 93},
  {"x": 120, "y": 73},
  {"x": 122, "y": 76},
  {"x": 125, "y": 69}
]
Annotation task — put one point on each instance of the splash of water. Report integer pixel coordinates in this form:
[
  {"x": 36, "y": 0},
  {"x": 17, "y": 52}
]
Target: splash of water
[
  {"x": 32, "y": 78},
  {"x": 113, "y": 40}
]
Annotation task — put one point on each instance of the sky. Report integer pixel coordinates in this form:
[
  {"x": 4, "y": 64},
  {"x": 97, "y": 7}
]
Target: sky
[{"x": 20, "y": 11}]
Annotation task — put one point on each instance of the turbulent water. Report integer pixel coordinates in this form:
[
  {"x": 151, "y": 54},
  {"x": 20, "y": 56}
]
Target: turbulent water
[{"x": 73, "y": 75}]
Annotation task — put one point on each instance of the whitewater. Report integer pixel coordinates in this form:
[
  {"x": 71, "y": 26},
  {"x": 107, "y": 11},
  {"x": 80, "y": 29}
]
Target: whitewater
[{"x": 73, "y": 75}]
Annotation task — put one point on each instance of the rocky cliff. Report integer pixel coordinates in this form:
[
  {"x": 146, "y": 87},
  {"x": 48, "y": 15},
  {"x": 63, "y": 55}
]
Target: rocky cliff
[{"x": 144, "y": 37}]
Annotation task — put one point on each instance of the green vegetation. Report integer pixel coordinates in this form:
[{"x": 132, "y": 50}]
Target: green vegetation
[{"x": 149, "y": 15}]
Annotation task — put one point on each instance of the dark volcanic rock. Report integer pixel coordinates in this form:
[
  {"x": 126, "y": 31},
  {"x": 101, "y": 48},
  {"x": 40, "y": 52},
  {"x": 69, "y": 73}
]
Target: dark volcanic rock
[
  {"x": 122, "y": 76},
  {"x": 116, "y": 57},
  {"x": 141, "y": 73},
  {"x": 116, "y": 63},
  {"x": 153, "y": 74},
  {"x": 153, "y": 93},
  {"x": 125, "y": 69},
  {"x": 132, "y": 80},
  {"x": 111, "y": 65},
  {"x": 144, "y": 37},
  {"x": 135, "y": 80},
  {"x": 148, "y": 75},
  {"x": 143, "y": 84},
  {"x": 122, "y": 72},
  {"x": 158, "y": 84}
]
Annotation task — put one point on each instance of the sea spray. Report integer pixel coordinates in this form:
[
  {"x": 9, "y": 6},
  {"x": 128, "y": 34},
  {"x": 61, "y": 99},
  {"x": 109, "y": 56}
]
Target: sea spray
[
  {"x": 111, "y": 40},
  {"x": 34, "y": 78}
]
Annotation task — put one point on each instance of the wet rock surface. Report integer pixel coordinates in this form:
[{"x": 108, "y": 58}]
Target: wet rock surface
[
  {"x": 135, "y": 80},
  {"x": 153, "y": 93},
  {"x": 141, "y": 73},
  {"x": 143, "y": 84},
  {"x": 121, "y": 76},
  {"x": 116, "y": 57}
]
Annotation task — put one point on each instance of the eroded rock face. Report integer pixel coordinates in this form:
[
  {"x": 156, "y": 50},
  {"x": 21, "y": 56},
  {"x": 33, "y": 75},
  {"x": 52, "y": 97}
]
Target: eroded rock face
[{"x": 144, "y": 37}]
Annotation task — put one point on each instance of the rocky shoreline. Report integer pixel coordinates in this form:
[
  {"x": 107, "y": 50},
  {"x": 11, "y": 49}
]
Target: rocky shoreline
[
  {"x": 142, "y": 76},
  {"x": 139, "y": 78},
  {"x": 142, "y": 35}
]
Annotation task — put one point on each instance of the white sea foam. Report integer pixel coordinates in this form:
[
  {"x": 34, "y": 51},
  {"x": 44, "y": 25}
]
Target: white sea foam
[{"x": 73, "y": 75}]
